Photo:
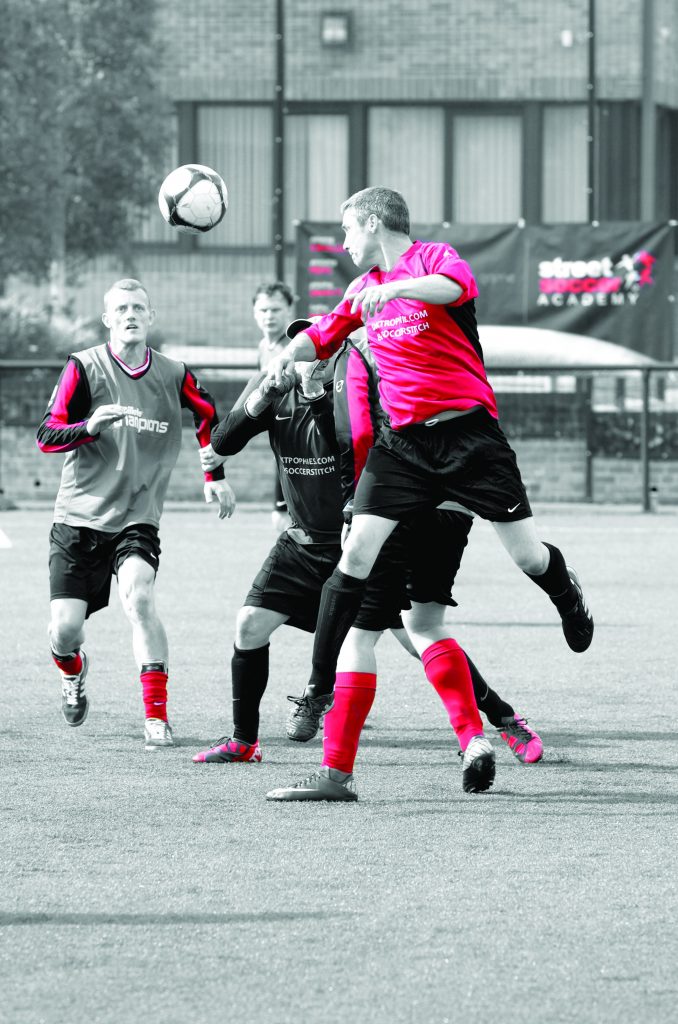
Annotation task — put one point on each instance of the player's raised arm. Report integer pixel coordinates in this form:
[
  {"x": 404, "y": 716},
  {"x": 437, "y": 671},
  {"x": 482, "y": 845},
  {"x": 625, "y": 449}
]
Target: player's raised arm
[
  {"x": 249, "y": 416},
  {"x": 281, "y": 366},
  {"x": 433, "y": 288},
  {"x": 310, "y": 341}
]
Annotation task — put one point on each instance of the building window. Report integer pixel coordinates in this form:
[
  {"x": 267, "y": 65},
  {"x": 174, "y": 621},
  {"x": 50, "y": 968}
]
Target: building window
[
  {"x": 236, "y": 142},
  {"x": 486, "y": 175},
  {"x": 406, "y": 152},
  {"x": 316, "y": 168},
  {"x": 152, "y": 227},
  {"x": 564, "y": 164}
]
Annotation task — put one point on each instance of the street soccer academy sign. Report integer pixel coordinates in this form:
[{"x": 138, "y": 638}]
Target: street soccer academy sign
[{"x": 614, "y": 281}]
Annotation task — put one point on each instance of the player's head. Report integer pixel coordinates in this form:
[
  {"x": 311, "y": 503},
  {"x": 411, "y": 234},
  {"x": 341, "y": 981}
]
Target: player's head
[
  {"x": 365, "y": 215},
  {"x": 127, "y": 311},
  {"x": 384, "y": 203},
  {"x": 271, "y": 305}
]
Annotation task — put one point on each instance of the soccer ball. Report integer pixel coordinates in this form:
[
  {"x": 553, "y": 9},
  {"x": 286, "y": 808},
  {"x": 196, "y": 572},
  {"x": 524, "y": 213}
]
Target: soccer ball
[{"x": 193, "y": 198}]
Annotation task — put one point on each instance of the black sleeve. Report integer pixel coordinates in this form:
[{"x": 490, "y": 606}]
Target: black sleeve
[
  {"x": 232, "y": 433},
  {"x": 193, "y": 396},
  {"x": 323, "y": 416},
  {"x": 64, "y": 425}
]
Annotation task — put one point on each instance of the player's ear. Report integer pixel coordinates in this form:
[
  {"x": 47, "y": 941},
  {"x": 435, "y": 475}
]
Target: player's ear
[
  {"x": 151, "y": 316},
  {"x": 105, "y": 321}
]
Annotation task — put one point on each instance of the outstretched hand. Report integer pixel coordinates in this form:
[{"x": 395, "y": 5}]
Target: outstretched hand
[{"x": 281, "y": 367}]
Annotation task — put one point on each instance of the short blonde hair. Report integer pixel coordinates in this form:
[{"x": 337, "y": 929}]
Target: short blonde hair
[
  {"x": 127, "y": 284},
  {"x": 385, "y": 203}
]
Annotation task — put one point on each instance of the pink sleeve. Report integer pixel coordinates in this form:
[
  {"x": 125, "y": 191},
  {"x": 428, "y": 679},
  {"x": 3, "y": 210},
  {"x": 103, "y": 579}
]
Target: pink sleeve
[
  {"x": 333, "y": 329},
  {"x": 439, "y": 258}
]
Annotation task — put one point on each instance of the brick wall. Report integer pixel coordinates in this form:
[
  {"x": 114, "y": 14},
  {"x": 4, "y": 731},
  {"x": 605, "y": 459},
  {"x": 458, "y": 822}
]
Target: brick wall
[
  {"x": 551, "y": 470},
  {"x": 434, "y": 49},
  {"x": 27, "y": 474}
]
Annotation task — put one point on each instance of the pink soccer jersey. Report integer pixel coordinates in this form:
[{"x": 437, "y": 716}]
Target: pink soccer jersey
[{"x": 428, "y": 356}]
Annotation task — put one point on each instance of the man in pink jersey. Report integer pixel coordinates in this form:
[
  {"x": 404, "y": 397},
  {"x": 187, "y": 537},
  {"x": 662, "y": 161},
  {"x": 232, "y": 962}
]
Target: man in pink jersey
[
  {"x": 116, "y": 411},
  {"x": 441, "y": 440}
]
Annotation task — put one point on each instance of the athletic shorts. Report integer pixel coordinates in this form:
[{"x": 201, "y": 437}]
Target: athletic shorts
[
  {"x": 466, "y": 459},
  {"x": 82, "y": 561},
  {"x": 293, "y": 575},
  {"x": 434, "y": 543}
]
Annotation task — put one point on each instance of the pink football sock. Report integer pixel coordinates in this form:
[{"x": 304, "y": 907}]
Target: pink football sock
[
  {"x": 354, "y": 694},
  {"x": 447, "y": 669},
  {"x": 69, "y": 664},
  {"x": 154, "y": 691}
]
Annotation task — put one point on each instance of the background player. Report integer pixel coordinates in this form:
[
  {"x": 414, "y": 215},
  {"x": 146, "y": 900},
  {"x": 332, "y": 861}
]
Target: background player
[
  {"x": 442, "y": 440},
  {"x": 272, "y": 307},
  {"x": 116, "y": 411}
]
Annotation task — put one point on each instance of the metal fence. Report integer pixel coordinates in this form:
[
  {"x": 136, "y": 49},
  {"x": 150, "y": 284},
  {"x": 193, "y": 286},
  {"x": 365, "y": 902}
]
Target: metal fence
[{"x": 582, "y": 433}]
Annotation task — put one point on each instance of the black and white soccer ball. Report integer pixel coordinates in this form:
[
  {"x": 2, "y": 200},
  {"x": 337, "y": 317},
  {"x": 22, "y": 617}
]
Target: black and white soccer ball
[{"x": 193, "y": 198}]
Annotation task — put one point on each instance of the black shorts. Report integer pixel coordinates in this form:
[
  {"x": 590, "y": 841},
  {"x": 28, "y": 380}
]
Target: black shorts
[
  {"x": 293, "y": 574},
  {"x": 82, "y": 560},
  {"x": 291, "y": 578},
  {"x": 466, "y": 459},
  {"x": 435, "y": 545}
]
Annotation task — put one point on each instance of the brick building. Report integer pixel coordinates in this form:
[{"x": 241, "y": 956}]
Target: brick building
[{"x": 479, "y": 112}]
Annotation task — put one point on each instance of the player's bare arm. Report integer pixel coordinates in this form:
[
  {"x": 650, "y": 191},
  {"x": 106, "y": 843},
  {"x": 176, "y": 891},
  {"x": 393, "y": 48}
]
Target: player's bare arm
[
  {"x": 434, "y": 288},
  {"x": 104, "y": 417},
  {"x": 301, "y": 349}
]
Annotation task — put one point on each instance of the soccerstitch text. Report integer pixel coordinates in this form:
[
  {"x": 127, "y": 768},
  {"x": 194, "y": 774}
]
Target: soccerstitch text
[
  {"x": 405, "y": 324},
  {"x": 299, "y": 466}
]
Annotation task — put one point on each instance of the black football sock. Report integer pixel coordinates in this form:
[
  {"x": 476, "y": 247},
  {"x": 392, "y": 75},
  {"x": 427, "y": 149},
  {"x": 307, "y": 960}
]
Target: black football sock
[
  {"x": 340, "y": 601},
  {"x": 556, "y": 582},
  {"x": 488, "y": 701},
  {"x": 249, "y": 675}
]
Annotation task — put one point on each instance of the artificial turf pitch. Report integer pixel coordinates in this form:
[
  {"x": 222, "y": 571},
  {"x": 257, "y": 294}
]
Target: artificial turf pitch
[{"x": 144, "y": 888}]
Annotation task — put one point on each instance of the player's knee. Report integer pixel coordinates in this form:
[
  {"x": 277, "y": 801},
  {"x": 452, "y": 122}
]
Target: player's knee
[
  {"x": 250, "y": 631},
  {"x": 138, "y": 602},
  {"x": 356, "y": 561},
  {"x": 63, "y": 632},
  {"x": 64, "y": 628},
  {"x": 532, "y": 560}
]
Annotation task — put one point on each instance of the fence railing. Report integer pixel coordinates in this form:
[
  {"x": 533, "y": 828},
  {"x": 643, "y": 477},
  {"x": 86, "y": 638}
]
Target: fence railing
[{"x": 582, "y": 433}]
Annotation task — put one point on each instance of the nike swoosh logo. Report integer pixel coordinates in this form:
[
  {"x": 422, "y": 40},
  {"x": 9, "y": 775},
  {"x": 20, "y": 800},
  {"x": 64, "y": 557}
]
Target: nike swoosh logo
[
  {"x": 513, "y": 509},
  {"x": 283, "y": 417}
]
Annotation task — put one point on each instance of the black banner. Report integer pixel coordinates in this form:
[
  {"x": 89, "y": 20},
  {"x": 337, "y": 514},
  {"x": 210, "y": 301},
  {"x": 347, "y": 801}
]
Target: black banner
[{"x": 613, "y": 282}]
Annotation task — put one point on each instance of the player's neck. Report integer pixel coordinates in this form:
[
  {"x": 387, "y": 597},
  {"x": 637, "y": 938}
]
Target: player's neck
[
  {"x": 273, "y": 338},
  {"x": 392, "y": 248},
  {"x": 131, "y": 353}
]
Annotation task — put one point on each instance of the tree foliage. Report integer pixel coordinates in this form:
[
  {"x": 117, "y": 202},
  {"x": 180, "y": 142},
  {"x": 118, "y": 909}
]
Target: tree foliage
[{"x": 84, "y": 129}]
